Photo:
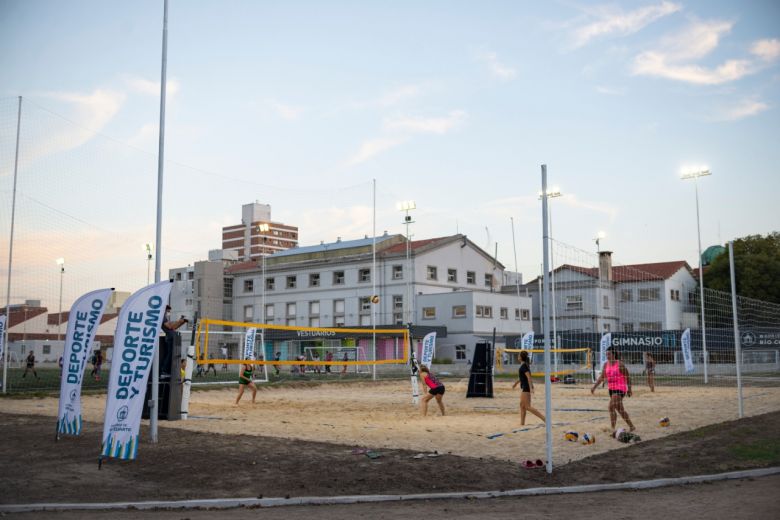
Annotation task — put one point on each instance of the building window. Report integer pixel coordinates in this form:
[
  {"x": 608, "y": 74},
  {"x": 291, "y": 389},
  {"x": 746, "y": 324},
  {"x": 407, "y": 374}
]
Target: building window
[
  {"x": 365, "y": 320},
  {"x": 471, "y": 277},
  {"x": 607, "y": 327},
  {"x": 691, "y": 298},
  {"x": 650, "y": 325},
  {"x": 227, "y": 288},
  {"x": 291, "y": 310},
  {"x": 365, "y": 304},
  {"x": 432, "y": 274},
  {"x": 458, "y": 311},
  {"x": 249, "y": 285},
  {"x": 484, "y": 311},
  {"x": 364, "y": 275},
  {"x": 675, "y": 295},
  {"x": 314, "y": 308},
  {"x": 178, "y": 277},
  {"x": 314, "y": 280},
  {"x": 452, "y": 275},
  {"x": 526, "y": 314},
  {"x": 190, "y": 275},
  {"x": 488, "y": 280},
  {"x": 429, "y": 313},
  {"x": 270, "y": 284},
  {"x": 504, "y": 313},
  {"x": 605, "y": 301},
  {"x": 338, "y": 278},
  {"x": 626, "y": 295},
  {"x": 398, "y": 302},
  {"x": 292, "y": 282},
  {"x": 460, "y": 352},
  {"x": 647, "y": 295},
  {"x": 47, "y": 349},
  {"x": 398, "y": 272},
  {"x": 517, "y": 314},
  {"x": 574, "y": 303},
  {"x": 338, "y": 307},
  {"x": 314, "y": 322},
  {"x": 269, "y": 312},
  {"x": 628, "y": 327},
  {"x": 249, "y": 312},
  {"x": 338, "y": 321},
  {"x": 290, "y": 322}
]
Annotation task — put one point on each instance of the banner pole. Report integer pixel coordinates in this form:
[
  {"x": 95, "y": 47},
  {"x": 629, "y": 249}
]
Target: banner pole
[
  {"x": 11, "y": 253},
  {"x": 737, "y": 346},
  {"x": 153, "y": 412}
]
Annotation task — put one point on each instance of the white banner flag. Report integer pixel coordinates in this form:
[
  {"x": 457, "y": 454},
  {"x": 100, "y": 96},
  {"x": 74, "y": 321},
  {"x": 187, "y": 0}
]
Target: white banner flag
[
  {"x": 428, "y": 349},
  {"x": 135, "y": 341},
  {"x": 527, "y": 343},
  {"x": 249, "y": 343},
  {"x": 83, "y": 322},
  {"x": 2, "y": 335},
  {"x": 606, "y": 342},
  {"x": 686, "y": 350}
]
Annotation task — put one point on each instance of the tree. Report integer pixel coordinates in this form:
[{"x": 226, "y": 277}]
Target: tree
[{"x": 756, "y": 265}]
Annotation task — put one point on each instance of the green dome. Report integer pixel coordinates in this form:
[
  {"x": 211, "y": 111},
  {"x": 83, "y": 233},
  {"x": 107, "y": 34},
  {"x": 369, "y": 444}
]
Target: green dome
[{"x": 711, "y": 253}]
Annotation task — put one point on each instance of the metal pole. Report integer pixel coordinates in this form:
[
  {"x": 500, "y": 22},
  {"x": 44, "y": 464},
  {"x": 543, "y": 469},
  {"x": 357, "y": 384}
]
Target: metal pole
[
  {"x": 701, "y": 284},
  {"x": 11, "y": 252},
  {"x": 554, "y": 312},
  {"x": 262, "y": 258},
  {"x": 373, "y": 284},
  {"x": 158, "y": 245},
  {"x": 514, "y": 248},
  {"x": 737, "y": 346},
  {"x": 59, "y": 315},
  {"x": 546, "y": 326}
]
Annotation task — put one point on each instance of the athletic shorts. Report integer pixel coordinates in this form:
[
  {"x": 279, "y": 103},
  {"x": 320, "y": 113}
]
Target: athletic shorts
[
  {"x": 439, "y": 390},
  {"x": 243, "y": 381},
  {"x": 621, "y": 393}
]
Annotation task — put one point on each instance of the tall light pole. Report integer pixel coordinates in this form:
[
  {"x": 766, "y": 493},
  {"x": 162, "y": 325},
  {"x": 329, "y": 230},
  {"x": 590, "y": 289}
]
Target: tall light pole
[
  {"x": 148, "y": 248},
  {"x": 406, "y": 206},
  {"x": 61, "y": 263},
  {"x": 695, "y": 174},
  {"x": 263, "y": 228}
]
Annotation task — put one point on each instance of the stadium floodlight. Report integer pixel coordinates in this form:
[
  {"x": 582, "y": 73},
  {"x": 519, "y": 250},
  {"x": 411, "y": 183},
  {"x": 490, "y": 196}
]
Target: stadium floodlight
[
  {"x": 148, "y": 248},
  {"x": 60, "y": 262},
  {"x": 406, "y": 206},
  {"x": 694, "y": 173},
  {"x": 263, "y": 229}
]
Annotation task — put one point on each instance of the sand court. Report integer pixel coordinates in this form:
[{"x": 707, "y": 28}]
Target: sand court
[{"x": 380, "y": 415}]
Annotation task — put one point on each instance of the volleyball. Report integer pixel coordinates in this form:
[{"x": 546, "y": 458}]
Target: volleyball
[
  {"x": 571, "y": 436},
  {"x": 588, "y": 438},
  {"x": 664, "y": 422},
  {"x": 375, "y": 299}
]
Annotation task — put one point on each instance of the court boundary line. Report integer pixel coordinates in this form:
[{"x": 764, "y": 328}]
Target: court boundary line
[{"x": 230, "y": 503}]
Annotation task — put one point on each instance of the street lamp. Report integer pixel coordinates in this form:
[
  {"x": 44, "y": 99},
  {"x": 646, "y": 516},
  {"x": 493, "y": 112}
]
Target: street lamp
[
  {"x": 263, "y": 229},
  {"x": 695, "y": 173},
  {"x": 60, "y": 262},
  {"x": 148, "y": 248},
  {"x": 406, "y": 206}
]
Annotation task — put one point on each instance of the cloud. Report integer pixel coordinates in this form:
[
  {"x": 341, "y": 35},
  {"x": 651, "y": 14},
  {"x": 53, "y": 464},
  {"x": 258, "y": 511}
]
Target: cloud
[
  {"x": 152, "y": 88},
  {"x": 743, "y": 109},
  {"x": 609, "y": 91},
  {"x": 432, "y": 125},
  {"x": 673, "y": 59},
  {"x": 767, "y": 50},
  {"x": 145, "y": 136},
  {"x": 616, "y": 22},
  {"x": 497, "y": 68},
  {"x": 287, "y": 112},
  {"x": 399, "y": 94},
  {"x": 373, "y": 147}
]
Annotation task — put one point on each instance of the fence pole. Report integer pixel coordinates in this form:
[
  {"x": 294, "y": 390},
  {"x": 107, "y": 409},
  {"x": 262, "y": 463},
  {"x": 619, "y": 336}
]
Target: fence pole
[{"x": 737, "y": 346}]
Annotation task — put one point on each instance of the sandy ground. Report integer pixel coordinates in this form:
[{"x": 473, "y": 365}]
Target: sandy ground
[{"x": 381, "y": 416}]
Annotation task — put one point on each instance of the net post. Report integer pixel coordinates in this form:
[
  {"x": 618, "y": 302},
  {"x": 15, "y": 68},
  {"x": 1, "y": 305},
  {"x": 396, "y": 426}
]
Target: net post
[
  {"x": 546, "y": 328},
  {"x": 737, "y": 346}
]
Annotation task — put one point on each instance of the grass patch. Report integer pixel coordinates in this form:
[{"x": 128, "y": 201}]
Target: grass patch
[{"x": 767, "y": 450}]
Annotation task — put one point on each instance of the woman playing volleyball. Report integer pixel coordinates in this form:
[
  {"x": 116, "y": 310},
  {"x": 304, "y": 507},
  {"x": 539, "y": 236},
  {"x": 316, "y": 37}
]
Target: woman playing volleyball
[
  {"x": 435, "y": 389},
  {"x": 244, "y": 380},
  {"x": 619, "y": 384},
  {"x": 526, "y": 389}
]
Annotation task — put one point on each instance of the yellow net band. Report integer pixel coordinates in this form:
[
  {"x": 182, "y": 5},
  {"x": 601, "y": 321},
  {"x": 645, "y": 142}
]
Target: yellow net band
[{"x": 581, "y": 365}]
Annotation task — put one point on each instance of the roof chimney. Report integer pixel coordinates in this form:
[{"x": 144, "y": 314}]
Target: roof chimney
[{"x": 605, "y": 266}]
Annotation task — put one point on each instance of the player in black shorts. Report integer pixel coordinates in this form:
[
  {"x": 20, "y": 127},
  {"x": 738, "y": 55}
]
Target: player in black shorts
[
  {"x": 435, "y": 390},
  {"x": 526, "y": 389}
]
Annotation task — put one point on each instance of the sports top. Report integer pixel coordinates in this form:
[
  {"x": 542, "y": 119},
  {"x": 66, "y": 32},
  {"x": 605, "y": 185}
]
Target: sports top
[
  {"x": 525, "y": 386},
  {"x": 431, "y": 381},
  {"x": 615, "y": 379}
]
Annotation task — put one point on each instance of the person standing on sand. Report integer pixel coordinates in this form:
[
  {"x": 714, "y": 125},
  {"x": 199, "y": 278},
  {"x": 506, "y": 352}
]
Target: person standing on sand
[
  {"x": 619, "y": 384},
  {"x": 650, "y": 370},
  {"x": 435, "y": 389},
  {"x": 526, "y": 389},
  {"x": 244, "y": 380}
]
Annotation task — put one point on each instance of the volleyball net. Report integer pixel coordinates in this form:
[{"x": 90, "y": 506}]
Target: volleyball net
[
  {"x": 568, "y": 360},
  {"x": 232, "y": 343}
]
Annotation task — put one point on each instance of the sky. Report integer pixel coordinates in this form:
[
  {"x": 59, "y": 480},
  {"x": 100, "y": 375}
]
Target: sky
[{"x": 455, "y": 105}]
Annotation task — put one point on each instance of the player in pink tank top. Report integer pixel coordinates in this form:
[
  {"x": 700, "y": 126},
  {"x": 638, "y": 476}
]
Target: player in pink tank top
[{"x": 619, "y": 384}]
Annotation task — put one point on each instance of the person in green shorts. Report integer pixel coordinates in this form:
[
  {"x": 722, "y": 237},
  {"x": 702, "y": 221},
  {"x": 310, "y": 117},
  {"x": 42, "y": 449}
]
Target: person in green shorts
[{"x": 244, "y": 380}]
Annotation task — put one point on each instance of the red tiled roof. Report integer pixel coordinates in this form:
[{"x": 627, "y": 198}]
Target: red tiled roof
[
  {"x": 108, "y": 317},
  {"x": 241, "y": 266},
  {"x": 22, "y": 313},
  {"x": 632, "y": 273},
  {"x": 415, "y": 245},
  {"x": 52, "y": 318}
]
